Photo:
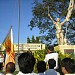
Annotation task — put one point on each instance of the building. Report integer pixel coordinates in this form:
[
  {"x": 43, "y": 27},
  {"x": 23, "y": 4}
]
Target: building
[
  {"x": 26, "y": 46},
  {"x": 31, "y": 46}
]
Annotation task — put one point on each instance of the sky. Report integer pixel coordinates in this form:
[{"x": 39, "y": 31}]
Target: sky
[{"x": 9, "y": 17}]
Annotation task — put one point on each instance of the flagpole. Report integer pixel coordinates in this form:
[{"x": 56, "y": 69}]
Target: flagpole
[{"x": 18, "y": 23}]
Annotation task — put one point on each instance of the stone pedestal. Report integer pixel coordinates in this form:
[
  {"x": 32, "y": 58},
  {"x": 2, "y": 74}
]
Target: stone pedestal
[
  {"x": 65, "y": 41},
  {"x": 67, "y": 49}
]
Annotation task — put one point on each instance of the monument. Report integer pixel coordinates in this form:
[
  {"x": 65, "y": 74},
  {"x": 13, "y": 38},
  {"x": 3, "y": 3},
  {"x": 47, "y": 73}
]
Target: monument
[{"x": 58, "y": 25}]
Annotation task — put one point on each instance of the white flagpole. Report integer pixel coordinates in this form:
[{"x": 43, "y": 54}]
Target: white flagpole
[{"x": 18, "y": 23}]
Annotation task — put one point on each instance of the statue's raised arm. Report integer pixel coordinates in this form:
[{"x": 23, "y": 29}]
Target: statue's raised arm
[
  {"x": 70, "y": 8},
  {"x": 51, "y": 19}
]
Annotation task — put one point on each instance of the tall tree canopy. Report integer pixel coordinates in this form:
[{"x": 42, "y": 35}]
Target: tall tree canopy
[
  {"x": 28, "y": 40},
  {"x": 33, "y": 39},
  {"x": 58, "y": 8}
]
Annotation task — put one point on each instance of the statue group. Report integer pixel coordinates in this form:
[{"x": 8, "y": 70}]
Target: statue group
[{"x": 58, "y": 25}]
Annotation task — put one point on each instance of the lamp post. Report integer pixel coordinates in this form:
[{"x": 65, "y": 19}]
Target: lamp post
[
  {"x": 65, "y": 39},
  {"x": 18, "y": 23}
]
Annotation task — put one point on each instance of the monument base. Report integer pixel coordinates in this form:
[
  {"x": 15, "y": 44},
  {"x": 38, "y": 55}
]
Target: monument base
[{"x": 67, "y": 49}]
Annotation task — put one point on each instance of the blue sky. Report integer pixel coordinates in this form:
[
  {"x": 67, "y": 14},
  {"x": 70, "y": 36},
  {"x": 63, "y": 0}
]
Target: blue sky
[{"x": 9, "y": 16}]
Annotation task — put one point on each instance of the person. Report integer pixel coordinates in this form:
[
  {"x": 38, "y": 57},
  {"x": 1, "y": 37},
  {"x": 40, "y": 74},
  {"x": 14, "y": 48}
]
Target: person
[
  {"x": 41, "y": 67},
  {"x": 29, "y": 50},
  {"x": 10, "y": 68},
  {"x": 1, "y": 69},
  {"x": 26, "y": 62},
  {"x": 68, "y": 66},
  {"x": 52, "y": 55},
  {"x": 51, "y": 71},
  {"x": 58, "y": 25},
  {"x": 1, "y": 64}
]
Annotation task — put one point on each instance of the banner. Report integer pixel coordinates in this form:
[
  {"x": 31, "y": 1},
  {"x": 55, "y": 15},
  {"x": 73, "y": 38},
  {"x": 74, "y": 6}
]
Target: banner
[{"x": 9, "y": 48}]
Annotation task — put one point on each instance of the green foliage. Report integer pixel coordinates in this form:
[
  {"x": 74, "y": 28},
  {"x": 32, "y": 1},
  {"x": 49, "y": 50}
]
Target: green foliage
[
  {"x": 40, "y": 55},
  {"x": 58, "y": 8},
  {"x": 37, "y": 40},
  {"x": 28, "y": 40},
  {"x": 15, "y": 73},
  {"x": 33, "y": 39}
]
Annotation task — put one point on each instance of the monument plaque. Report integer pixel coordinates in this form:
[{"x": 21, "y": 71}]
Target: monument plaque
[{"x": 69, "y": 51}]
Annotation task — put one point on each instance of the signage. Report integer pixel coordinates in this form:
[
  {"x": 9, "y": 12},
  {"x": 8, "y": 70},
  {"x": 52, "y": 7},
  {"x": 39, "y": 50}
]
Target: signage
[{"x": 69, "y": 51}]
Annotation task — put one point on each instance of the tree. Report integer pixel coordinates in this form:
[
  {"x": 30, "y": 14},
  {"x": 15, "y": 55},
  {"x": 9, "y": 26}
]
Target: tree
[
  {"x": 58, "y": 8},
  {"x": 37, "y": 40},
  {"x": 33, "y": 39},
  {"x": 28, "y": 40}
]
